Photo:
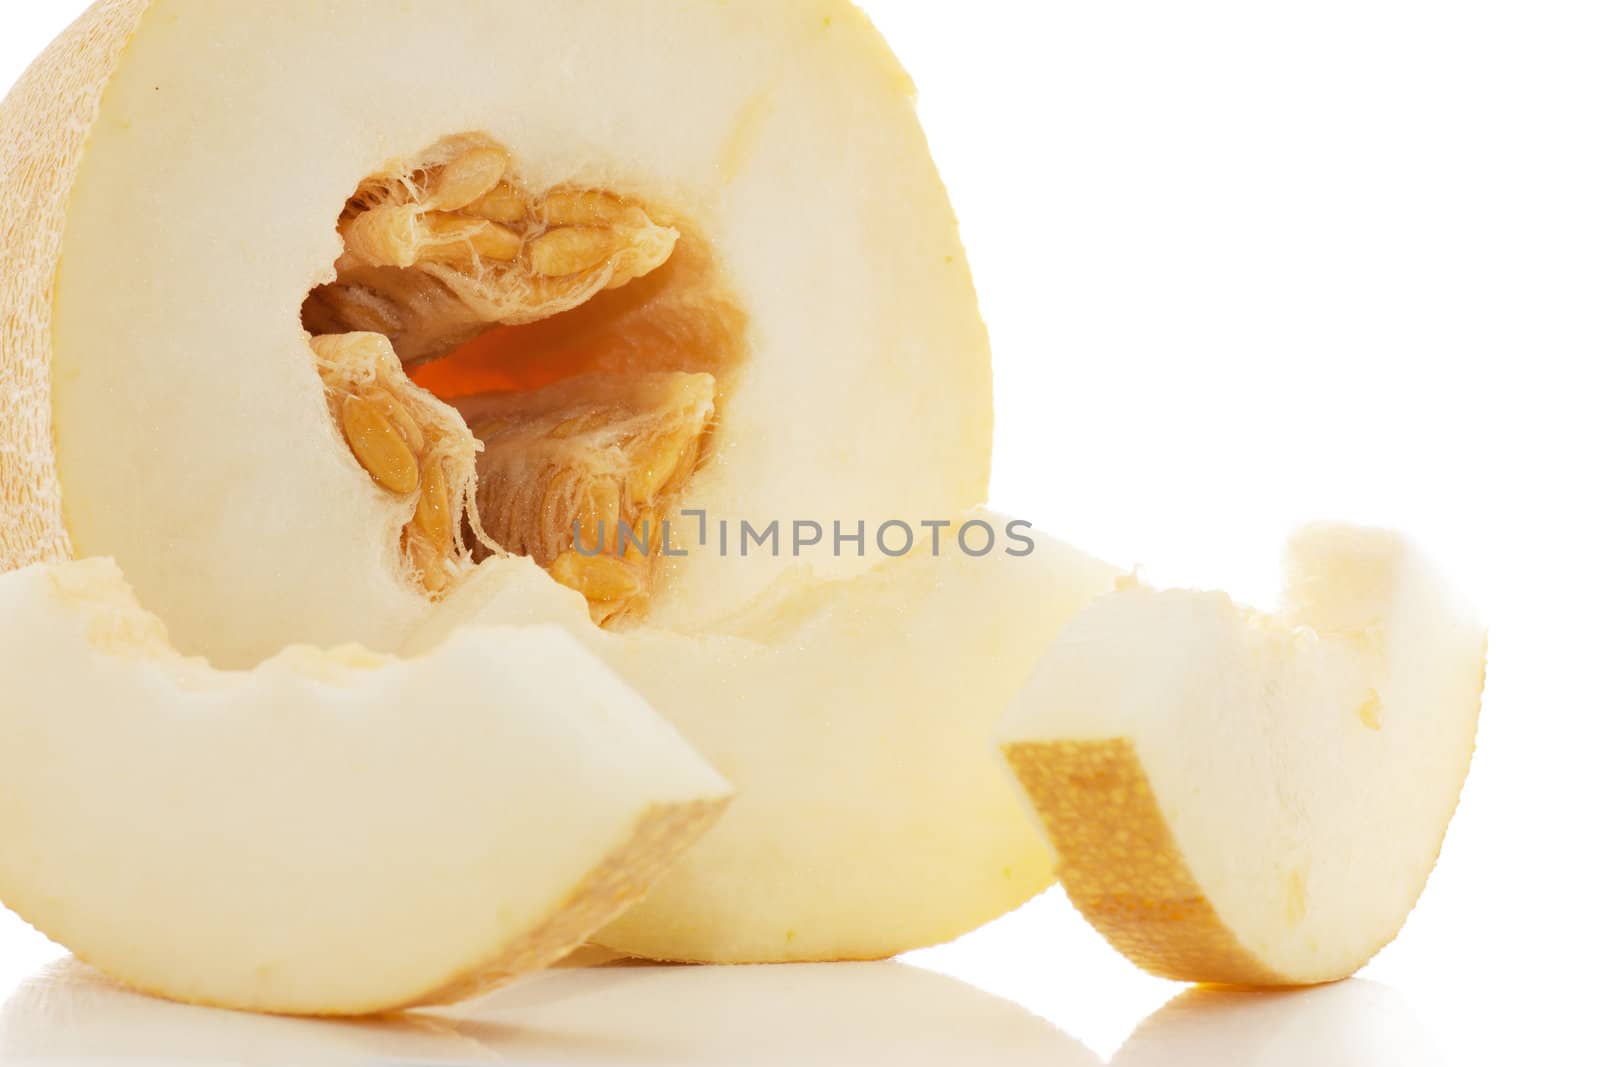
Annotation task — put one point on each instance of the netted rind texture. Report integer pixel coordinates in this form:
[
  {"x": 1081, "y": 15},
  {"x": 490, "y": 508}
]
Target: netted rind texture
[{"x": 44, "y": 126}]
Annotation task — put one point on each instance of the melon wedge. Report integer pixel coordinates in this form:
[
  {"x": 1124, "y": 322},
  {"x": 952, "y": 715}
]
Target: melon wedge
[
  {"x": 333, "y": 833},
  {"x": 1256, "y": 799},
  {"x": 716, "y": 226},
  {"x": 854, "y": 720}
]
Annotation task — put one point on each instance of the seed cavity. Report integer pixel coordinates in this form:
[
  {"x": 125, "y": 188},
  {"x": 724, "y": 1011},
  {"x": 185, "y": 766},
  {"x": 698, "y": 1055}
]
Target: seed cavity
[{"x": 577, "y": 468}]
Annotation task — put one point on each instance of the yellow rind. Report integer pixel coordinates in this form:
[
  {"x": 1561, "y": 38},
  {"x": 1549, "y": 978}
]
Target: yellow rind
[
  {"x": 44, "y": 127},
  {"x": 1121, "y": 866},
  {"x": 622, "y": 879}
]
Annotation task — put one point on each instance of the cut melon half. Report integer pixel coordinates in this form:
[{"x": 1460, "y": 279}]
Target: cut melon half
[
  {"x": 333, "y": 833},
  {"x": 306, "y": 308},
  {"x": 1253, "y": 799},
  {"x": 854, "y": 720}
]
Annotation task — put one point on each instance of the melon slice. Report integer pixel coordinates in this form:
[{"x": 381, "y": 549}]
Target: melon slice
[
  {"x": 262, "y": 264},
  {"x": 333, "y": 833},
  {"x": 854, "y": 720},
  {"x": 1252, "y": 799}
]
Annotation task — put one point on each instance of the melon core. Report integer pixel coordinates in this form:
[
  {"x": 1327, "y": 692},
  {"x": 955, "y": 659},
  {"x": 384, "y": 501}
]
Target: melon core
[{"x": 585, "y": 339}]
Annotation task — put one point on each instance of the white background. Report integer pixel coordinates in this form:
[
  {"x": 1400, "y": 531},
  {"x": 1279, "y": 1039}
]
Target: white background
[{"x": 1245, "y": 264}]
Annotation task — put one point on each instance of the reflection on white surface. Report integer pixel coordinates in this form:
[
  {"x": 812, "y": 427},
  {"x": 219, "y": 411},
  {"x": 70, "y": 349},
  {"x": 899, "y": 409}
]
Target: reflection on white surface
[
  {"x": 624, "y": 1013},
  {"x": 621, "y": 1014},
  {"x": 1352, "y": 1024}
]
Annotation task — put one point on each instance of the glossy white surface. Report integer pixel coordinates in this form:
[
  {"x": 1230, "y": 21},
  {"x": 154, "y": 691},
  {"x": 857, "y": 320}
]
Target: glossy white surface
[
  {"x": 1087, "y": 1008},
  {"x": 1246, "y": 263}
]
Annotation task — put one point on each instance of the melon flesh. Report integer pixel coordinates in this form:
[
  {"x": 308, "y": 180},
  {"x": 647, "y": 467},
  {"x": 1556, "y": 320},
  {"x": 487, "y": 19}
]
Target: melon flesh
[
  {"x": 307, "y": 331},
  {"x": 855, "y": 721},
  {"x": 1256, "y": 799},
  {"x": 333, "y": 833},
  {"x": 176, "y": 172}
]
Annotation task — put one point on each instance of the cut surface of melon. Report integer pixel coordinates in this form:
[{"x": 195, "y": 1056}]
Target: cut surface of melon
[
  {"x": 332, "y": 833},
  {"x": 854, "y": 719},
  {"x": 734, "y": 198},
  {"x": 1256, "y": 799}
]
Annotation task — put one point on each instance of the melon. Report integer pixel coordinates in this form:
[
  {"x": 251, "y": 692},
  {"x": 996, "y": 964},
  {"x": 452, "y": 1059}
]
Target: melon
[
  {"x": 332, "y": 833},
  {"x": 324, "y": 319},
  {"x": 1256, "y": 799}
]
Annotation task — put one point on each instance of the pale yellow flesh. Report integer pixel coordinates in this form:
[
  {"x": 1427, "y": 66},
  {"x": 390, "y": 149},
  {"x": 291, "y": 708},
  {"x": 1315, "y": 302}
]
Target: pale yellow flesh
[
  {"x": 333, "y": 833},
  {"x": 854, "y": 721},
  {"x": 1247, "y": 799}
]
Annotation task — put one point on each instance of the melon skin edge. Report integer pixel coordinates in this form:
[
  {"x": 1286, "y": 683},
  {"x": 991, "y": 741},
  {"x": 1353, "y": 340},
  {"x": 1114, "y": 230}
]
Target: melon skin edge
[{"x": 44, "y": 127}]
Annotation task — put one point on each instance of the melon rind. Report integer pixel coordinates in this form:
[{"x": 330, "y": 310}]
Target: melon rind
[{"x": 44, "y": 126}]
